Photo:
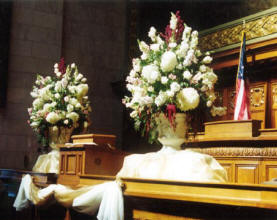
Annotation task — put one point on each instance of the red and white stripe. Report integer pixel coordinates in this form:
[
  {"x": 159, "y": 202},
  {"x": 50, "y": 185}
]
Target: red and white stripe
[{"x": 241, "y": 111}]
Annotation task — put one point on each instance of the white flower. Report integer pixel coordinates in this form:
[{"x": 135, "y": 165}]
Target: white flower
[
  {"x": 81, "y": 90},
  {"x": 209, "y": 79},
  {"x": 72, "y": 89},
  {"x": 132, "y": 73},
  {"x": 187, "y": 75},
  {"x": 66, "y": 121},
  {"x": 168, "y": 61},
  {"x": 143, "y": 47},
  {"x": 38, "y": 103},
  {"x": 34, "y": 124},
  {"x": 186, "y": 33},
  {"x": 161, "y": 99},
  {"x": 45, "y": 93},
  {"x": 179, "y": 66},
  {"x": 79, "y": 77},
  {"x": 164, "y": 80},
  {"x": 207, "y": 59},
  {"x": 57, "y": 96},
  {"x": 150, "y": 73},
  {"x": 78, "y": 105},
  {"x": 197, "y": 77},
  {"x": 73, "y": 101},
  {"x": 194, "y": 34},
  {"x": 203, "y": 68},
  {"x": 170, "y": 93},
  {"x": 144, "y": 56},
  {"x": 84, "y": 80},
  {"x": 64, "y": 82},
  {"x": 55, "y": 128},
  {"x": 173, "y": 21},
  {"x": 172, "y": 44},
  {"x": 56, "y": 65},
  {"x": 155, "y": 47},
  {"x": 73, "y": 116},
  {"x": 175, "y": 87},
  {"x": 58, "y": 74},
  {"x": 69, "y": 108},
  {"x": 146, "y": 100},
  {"x": 37, "y": 82},
  {"x": 188, "y": 99},
  {"x": 182, "y": 51},
  {"x": 150, "y": 89},
  {"x": 58, "y": 86},
  {"x": 136, "y": 65},
  {"x": 34, "y": 94},
  {"x": 73, "y": 65},
  {"x": 66, "y": 99},
  {"x": 159, "y": 40},
  {"x": 46, "y": 108},
  {"x": 209, "y": 103},
  {"x": 52, "y": 118},
  {"x": 152, "y": 33},
  {"x": 204, "y": 88},
  {"x": 133, "y": 114}
]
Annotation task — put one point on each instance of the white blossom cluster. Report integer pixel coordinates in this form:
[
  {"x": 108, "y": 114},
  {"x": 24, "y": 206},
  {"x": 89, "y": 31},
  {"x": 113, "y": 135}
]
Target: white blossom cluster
[
  {"x": 60, "y": 100},
  {"x": 173, "y": 72}
]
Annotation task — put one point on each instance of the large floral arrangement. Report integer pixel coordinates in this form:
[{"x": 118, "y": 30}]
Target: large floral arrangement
[
  {"x": 171, "y": 75},
  {"x": 59, "y": 101}
]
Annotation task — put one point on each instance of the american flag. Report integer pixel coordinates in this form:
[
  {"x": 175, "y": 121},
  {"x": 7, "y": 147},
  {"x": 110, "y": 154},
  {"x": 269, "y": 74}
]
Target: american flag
[{"x": 242, "y": 109}]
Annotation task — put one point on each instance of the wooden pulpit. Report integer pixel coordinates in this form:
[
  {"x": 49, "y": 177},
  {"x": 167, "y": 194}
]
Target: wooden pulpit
[{"x": 89, "y": 154}]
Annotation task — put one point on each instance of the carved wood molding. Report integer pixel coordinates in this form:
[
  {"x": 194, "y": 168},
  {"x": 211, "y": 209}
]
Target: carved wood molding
[
  {"x": 231, "y": 34},
  {"x": 238, "y": 151}
]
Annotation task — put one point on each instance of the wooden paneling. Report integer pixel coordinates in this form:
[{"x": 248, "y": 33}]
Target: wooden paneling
[
  {"x": 258, "y": 101},
  {"x": 247, "y": 172},
  {"x": 71, "y": 164},
  {"x": 269, "y": 170}
]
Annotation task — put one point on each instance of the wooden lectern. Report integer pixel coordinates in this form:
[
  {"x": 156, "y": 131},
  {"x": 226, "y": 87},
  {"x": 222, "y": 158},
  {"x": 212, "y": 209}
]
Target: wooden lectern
[{"x": 89, "y": 154}]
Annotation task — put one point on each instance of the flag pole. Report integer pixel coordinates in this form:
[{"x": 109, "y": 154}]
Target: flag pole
[{"x": 241, "y": 109}]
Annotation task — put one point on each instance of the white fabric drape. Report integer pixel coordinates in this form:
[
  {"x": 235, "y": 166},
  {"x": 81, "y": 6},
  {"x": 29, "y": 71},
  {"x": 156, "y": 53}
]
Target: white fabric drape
[
  {"x": 107, "y": 198},
  {"x": 23, "y": 196}
]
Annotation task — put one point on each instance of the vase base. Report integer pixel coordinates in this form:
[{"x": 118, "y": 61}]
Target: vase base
[{"x": 174, "y": 143}]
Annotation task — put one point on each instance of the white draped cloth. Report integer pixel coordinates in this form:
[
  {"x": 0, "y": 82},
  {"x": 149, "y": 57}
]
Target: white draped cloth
[{"x": 107, "y": 198}]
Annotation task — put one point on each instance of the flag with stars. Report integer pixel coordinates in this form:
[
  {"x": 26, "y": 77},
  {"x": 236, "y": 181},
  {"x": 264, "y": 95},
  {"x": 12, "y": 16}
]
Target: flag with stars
[{"x": 242, "y": 107}]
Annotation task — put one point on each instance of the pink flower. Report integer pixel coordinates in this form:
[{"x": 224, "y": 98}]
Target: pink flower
[
  {"x": 172, "y": 76},
  {"x": 30, "y": 111}
]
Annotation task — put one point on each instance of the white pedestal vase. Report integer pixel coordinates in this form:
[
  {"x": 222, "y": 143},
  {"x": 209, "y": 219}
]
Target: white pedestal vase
[
  {"x": 49, "y": 163},
  {"x": 172, "y": 136}
]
